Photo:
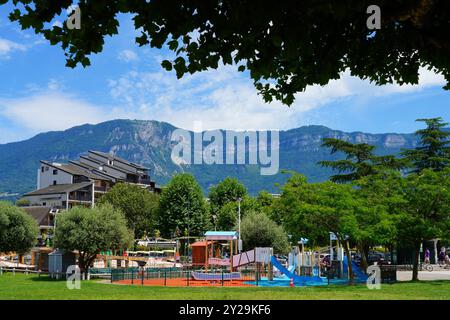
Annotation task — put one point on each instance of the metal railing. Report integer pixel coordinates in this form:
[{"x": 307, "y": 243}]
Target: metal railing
[
  {"x": 101, "y": 188},
  {"x": 184, "y": 277},
  {"x": 179, "y": 278},
  {"x": 53, "y": 275}
]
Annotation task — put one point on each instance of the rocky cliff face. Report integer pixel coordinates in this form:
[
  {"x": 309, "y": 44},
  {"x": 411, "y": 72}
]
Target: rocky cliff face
[{"x": 149, "y": 143}]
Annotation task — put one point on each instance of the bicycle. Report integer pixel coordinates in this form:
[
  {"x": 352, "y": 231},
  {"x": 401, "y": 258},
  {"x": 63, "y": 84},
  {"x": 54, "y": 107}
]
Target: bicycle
[{"x": 425, "y": 266}]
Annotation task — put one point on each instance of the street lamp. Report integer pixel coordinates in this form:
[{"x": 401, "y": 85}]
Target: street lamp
[{"x": 239, "y": 225}]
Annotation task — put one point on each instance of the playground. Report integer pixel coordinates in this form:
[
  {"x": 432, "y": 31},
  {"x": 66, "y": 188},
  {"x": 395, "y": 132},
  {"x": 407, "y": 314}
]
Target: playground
[{"x": 218, "y": 262}]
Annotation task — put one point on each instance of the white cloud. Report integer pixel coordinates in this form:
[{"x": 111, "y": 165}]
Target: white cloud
[
  {"x": 50, "y": 111},
  {"x": 227, "y": 99},
  {"x": 128, "y": 56},
  {"x": 54, "y": 84},
  {"x": 220, "y": 98},
  {"x": 8, "y": 46}
]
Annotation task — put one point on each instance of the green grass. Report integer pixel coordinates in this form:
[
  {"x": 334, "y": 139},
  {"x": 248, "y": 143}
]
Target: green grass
[{"x": 32, "y": 287}]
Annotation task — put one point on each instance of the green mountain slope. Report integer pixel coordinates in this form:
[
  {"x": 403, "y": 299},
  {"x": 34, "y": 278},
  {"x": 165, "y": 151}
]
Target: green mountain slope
[{"x": 149, "y": 143}]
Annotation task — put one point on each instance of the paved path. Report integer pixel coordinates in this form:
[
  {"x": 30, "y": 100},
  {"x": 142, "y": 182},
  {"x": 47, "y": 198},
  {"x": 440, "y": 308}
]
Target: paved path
[{"x": 424, "y": 275}]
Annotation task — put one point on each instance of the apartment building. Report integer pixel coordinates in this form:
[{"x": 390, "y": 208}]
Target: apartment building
[{"x": 84, "y": 181}]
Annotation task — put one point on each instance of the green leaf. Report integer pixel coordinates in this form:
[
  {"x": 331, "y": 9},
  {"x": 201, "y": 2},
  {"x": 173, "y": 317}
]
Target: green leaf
[{"x": 166, "y": 64}]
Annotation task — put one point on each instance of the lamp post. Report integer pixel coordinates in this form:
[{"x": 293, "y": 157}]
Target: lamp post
[{"x": 239, "y": 225}]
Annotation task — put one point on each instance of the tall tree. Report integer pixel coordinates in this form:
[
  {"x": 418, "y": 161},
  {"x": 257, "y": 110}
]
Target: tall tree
[
  {"x": 228, "y": 215},
  {"x": 269, "y": 204},
  {"x": 182, "y": 207},
  {"x": 364, "y": 215},
  {"x": 138, "y": 205},
  {"x": 223, "y": 199},
  {"x": 321, "y": 208},
  {"x": 379, "y": 211},
  {"x": 18, "y": 230},
  {"x": 360, "y": 160},
  {"x": 415, "y": 208},
  {"x": 91, "y": 230},
  {"x": 285, "y": 45},
  {"x": 433, "y": 151},
  {"x": 226, "y": 191},
  {"x": 426, "y": 209}
]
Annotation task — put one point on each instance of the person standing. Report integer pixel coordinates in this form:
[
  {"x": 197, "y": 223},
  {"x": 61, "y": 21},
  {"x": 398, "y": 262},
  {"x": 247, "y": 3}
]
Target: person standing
[{"x": 441, "y": 257}]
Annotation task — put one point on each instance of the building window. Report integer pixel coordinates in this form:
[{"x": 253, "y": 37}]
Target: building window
[
  {"x": 42, "y": 169},
  {"x": 54, "y": 182},
  {"x": 55, "y": 171},
  {"x": 44, "y": 203}
]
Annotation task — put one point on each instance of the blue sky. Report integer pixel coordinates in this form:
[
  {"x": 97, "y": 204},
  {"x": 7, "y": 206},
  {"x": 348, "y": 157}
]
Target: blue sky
[{"x": 38, "y": 93}]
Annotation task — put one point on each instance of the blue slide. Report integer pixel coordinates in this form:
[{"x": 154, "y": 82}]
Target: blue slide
[
  {"x": 290, "y": 275},
  {"x": 356, "y": 270}
]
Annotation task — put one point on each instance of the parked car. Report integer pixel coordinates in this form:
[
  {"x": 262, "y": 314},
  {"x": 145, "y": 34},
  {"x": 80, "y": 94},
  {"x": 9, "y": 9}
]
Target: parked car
[{"x": 379, "y": 257}]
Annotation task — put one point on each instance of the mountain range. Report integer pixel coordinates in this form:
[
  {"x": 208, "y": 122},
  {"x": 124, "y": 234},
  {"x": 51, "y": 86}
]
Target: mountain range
[{"x": 149, "y": 143}]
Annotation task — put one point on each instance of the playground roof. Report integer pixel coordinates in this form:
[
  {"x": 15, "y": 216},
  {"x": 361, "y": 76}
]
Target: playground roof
[
  {"x": 200, "y": 243},
  {"x": 221, "y": 235}
]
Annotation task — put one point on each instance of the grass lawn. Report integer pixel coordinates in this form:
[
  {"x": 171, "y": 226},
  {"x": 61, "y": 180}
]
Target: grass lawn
[{"x": 32, "y": 287}]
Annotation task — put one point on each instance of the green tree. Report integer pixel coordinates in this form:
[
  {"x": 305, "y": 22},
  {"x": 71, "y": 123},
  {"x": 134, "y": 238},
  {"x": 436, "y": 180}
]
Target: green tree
[
  {"x": 228, "y": 215},
  {"x": 259, "y": 231},
  {"x": 18, "y": 230},
  {"x": 139, "y": 206},
  {"x": 265, "y": 199},
  {"x": 226, "y": 191},
  {"x": 284, "y": 45},
  {"x": 270, "y": 205},
  {"x": 378, "y": 212},
  {"x": 182, "y": 207},
  {"x": 415, "y": 208},
  {"x": 315, "y": 209},
  {"x": 360, "y": 160},
  {"x": 433, "y": 151},
  {"x": 426, "y": 209},
  {"x": 23, "y": 202},
  {"x": 91, "y": 230}
]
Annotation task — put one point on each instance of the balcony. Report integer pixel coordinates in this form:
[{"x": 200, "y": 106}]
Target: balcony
[
  {"x": 146, "y": 181},
  {"x": 101, "y": 189},
  {"x": 80, "y": 198}
]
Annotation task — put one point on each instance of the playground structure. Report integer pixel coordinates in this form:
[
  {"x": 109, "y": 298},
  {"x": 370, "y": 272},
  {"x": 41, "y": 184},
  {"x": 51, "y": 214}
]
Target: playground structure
[
  {"x": 217, "y": 262},
  {"x": 324, "y": 263}
]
